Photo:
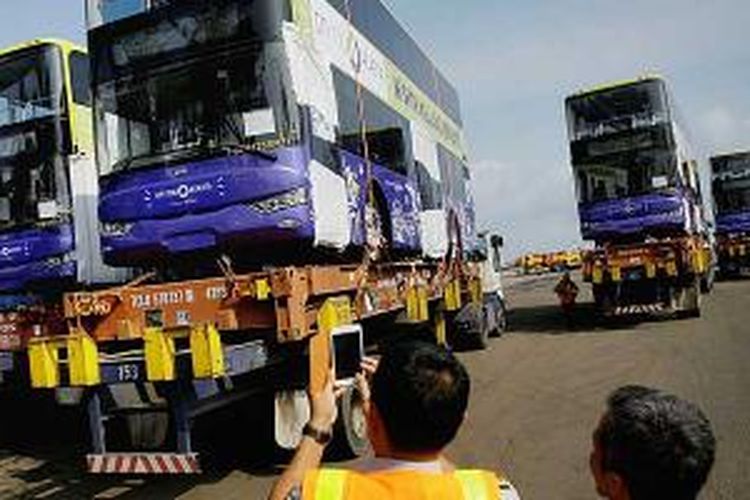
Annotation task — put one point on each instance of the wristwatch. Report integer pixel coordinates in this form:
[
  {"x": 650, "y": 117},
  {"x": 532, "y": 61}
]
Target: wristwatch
[{"x": 320, "y": 437}]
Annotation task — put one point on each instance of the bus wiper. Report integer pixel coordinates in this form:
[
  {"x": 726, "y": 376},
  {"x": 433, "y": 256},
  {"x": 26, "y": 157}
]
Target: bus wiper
[
  {"x": 244, "y": 149},
  {"x": 122, "y": 165},
  {"x": 156, "y": 158}
]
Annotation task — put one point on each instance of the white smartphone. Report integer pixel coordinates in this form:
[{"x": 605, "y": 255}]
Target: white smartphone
[{"x": 347, "y": 351}]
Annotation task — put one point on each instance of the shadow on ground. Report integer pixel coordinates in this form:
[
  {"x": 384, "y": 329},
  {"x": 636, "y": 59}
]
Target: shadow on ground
[
  {"x": 42, "y": 450},
  {"x": 549, "y": 319}
]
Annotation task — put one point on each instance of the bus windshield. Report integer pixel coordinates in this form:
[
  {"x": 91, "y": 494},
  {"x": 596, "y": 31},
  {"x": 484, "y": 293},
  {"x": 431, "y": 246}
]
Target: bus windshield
[
  {"x": 626, "y": 174},
  {"x": 732, "y": 184},
  {"x": 619, "y": 109},
  {"x": 32, "y": 134},
  {"x": 190, "y": 79}
]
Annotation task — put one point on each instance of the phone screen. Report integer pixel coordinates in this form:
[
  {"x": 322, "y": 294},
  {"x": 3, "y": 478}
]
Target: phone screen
[{"x": 347, "y": 354}]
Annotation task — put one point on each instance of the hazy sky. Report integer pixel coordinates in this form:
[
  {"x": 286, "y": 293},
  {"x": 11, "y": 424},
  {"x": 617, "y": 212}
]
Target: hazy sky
[{"x": 514, "y": 61}]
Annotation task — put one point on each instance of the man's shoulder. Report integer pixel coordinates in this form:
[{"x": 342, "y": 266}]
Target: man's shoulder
[{"x": 505, "y": 488}]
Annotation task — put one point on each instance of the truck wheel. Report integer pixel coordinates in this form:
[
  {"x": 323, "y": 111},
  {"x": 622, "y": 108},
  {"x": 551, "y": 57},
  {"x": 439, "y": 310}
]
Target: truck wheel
[
  {"x": 501, "y": 319},
  {"x": 470, "y": 327},
  {"x": 350, "y": 430},
  {"x": 707, "y": 281},
  {"x": 147, "y": 431},
  {"x": 603, "y": 301},
  {"x": 691, "y": 301}
]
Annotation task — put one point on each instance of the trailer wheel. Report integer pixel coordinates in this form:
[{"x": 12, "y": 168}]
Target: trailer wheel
[
  {"x": 147, "y": 431},
  {"x": 350, "y": 430},
  {"x": 470, "y": 327}
]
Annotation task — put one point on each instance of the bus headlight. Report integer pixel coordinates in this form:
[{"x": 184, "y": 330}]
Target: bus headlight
[
  {"x": 674, "y": 214},
  {"x": 284, "y": 201},
  {"x": 115, "y": 229},
  {"x": 58, "y": 260}
]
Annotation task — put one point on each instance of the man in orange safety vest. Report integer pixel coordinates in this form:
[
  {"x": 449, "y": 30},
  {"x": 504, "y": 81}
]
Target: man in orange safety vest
[{"x": 415, "y": 403}]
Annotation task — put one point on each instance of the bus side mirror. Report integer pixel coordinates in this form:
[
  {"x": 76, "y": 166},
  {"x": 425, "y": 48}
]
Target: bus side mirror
[{"x": 497, "y": 241}]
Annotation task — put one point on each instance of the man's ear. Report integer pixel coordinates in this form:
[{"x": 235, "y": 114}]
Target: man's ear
[
  {"x": 376, "y": 431},
  {"x": 617, "y": 489},
  {"x": 374, "y": 421}
]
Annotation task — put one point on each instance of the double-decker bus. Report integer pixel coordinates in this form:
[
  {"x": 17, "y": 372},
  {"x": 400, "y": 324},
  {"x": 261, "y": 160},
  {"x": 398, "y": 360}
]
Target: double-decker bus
[
  {"x": 48, "y": 184},
  {"x": 243, "y": 127},
  {"x": 635, "y": 172},
  {"x": 731, "y": 187},
  {"x": 639, "y": 191}
]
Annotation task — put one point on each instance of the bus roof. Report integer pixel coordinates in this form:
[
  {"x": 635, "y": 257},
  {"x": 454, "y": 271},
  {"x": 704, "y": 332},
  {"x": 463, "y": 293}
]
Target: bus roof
[
  {"x": 616, "y": 84},
  {"x": 66, "y": 45}
]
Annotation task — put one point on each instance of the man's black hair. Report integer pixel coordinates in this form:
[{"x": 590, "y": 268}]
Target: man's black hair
[
  {"x": 421, "y": 392},
  {"x": 662, "y": 446}
]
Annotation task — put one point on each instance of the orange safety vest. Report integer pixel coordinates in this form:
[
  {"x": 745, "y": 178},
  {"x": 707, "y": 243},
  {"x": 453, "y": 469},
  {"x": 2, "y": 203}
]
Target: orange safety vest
[{"x": 334, "y": 484}]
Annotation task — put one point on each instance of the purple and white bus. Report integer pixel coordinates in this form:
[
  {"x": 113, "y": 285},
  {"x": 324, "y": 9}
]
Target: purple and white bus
[{"x": 245, "y": 127}]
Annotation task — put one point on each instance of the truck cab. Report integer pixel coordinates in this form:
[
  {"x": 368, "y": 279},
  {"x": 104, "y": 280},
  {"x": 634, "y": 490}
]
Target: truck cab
[{"x": 477, "y": 322}]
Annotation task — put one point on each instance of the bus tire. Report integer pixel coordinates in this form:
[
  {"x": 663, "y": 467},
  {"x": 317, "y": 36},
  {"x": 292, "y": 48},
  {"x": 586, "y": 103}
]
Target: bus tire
[
  {"x": 350, "y": 430},
  {"x": 147, "y": 431}
]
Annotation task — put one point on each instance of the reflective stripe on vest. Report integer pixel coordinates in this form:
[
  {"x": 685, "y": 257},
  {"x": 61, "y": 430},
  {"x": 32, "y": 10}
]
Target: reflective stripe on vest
[
  {"x": 330, "y": 484},
  {"x": 474, "y": 485}
]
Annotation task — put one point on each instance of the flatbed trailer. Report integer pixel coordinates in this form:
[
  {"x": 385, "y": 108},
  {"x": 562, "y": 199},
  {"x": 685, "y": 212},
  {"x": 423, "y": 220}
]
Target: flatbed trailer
[
  {"x": 23, "y": 318},
  {"x": 734, "y": 255},
  {"x": 144, "y": 351},
  {"x": 731, "y": 190},
  {"x": 660, "y": 276}
]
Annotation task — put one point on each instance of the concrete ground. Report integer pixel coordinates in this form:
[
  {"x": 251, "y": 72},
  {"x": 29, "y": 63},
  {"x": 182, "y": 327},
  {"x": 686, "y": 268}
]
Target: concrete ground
[{"x": 537, "y": 394}]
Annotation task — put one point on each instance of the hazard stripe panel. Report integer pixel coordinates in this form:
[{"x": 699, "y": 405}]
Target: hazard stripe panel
[
  {"x": 143, "y": 463},
  {"x": 639, "y": 309}
]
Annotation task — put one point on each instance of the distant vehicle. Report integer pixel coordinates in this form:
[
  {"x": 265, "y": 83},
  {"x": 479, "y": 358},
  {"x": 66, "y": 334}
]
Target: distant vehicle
[
  {"x": 573, "y": 259},
  {"x": 48, "y": 187},
  {"x": 731, "y": 187},
  {"x": 539, "y": 263},
  {"x": 640, "y": 200},
  {"x": 247, "y": 127},
  {"x": 564, "y": 261},
  {"x": 534, "y": 263}
]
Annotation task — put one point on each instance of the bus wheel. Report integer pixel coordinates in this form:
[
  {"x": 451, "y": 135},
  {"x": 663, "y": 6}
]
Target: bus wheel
[
  {"x": 147, "y": 431},
  {"x": 350, "y": 430}
]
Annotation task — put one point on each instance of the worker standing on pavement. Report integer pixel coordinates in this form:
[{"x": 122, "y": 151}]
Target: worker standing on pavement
[
  {"x": 567, "y": 292},
  {"x": 415, "y": 404}
]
